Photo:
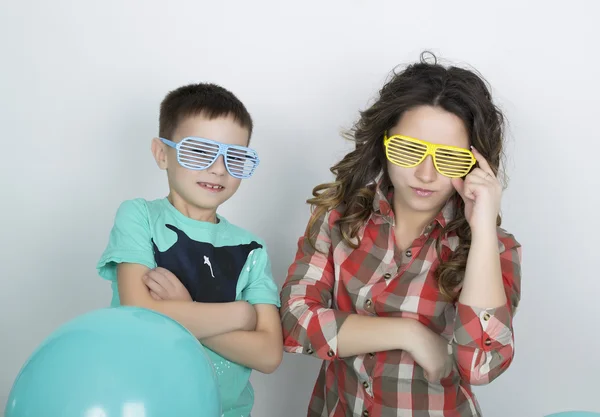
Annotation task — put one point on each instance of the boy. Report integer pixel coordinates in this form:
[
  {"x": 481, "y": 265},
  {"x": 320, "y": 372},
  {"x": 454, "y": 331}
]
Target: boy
[{"x": 177, "y": 256}]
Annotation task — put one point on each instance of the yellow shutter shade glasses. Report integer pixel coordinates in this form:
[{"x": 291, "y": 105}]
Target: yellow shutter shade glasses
[{"x": 408, "y": 152}]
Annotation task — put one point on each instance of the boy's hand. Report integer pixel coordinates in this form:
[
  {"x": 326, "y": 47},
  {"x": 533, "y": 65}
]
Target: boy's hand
[{"x": 163, "y": 285}]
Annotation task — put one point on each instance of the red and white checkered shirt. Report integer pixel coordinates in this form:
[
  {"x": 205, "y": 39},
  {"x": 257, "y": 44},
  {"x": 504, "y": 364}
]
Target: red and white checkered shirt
[{"x": 377, "y": 279}]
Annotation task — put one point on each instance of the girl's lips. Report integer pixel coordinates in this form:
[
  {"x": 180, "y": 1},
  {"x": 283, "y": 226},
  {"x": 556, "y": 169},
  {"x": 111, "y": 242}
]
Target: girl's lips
[{"x": 421, "y": 192}]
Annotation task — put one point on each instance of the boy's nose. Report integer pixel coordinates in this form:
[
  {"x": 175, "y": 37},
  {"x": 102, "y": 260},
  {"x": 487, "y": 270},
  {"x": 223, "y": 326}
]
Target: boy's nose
[{"x": 218, "y": 167}]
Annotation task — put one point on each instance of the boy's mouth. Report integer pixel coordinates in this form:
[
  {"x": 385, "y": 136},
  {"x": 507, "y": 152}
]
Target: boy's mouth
[{"x": 211, "y": 187}]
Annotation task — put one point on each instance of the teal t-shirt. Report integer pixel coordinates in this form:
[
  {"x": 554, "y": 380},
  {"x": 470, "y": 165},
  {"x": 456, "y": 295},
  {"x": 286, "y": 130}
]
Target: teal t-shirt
[{"x": 216, "y": 262}]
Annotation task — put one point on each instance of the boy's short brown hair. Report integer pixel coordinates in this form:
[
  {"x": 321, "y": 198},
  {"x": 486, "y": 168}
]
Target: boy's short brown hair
[{"x": 210, "y": 100}]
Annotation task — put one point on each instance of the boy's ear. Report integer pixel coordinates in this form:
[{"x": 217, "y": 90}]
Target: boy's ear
[{"x": 159, "y": 152}]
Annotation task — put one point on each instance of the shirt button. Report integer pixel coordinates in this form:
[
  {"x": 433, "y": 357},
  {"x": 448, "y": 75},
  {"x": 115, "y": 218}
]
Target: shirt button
[
  {"x": 486, "y": 316},
  {"x": 487, "y": 342},
  {"x": 387, "y": 276},
  {"x": 369, "y": 303},
  {"x": 310, "y": 351},
  {"x": 408, "y": 253},
  {"x": 366, "y": 413},
  {"x": 330, "y": 353},
  {"x": 366, "y": 385},
  {"x": 371, "y": 355}
]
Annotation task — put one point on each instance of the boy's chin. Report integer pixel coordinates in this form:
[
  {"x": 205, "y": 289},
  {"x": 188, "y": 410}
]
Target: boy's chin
[
  {"x": 203, "y": 202},
  {"x": 210, "y": 202},
  {"x": 206, "y": 205}
]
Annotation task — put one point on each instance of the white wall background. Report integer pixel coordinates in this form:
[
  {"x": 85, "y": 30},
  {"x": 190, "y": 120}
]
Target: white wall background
[{"x": 80, "y": 84}]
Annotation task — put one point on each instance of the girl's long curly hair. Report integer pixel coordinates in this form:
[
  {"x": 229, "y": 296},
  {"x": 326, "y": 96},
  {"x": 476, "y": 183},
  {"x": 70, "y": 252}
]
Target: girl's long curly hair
[{"x": 456, "y": 90}]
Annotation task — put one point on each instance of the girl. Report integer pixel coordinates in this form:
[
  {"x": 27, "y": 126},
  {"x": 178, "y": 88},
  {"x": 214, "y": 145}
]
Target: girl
[{"x": 404, "y": 284}]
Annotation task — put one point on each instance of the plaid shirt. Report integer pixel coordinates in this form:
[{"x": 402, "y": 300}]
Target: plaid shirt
[{"x": 379, "y": 280}]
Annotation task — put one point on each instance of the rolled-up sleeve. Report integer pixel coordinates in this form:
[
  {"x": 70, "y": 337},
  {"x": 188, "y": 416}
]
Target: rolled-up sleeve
[
  {"x": 483, "y": 342},
  {"x": 310, "y": 324}
]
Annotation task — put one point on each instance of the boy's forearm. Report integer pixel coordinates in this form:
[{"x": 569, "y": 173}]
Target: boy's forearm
[
  {"x": 199, "y": 318},
  {"x": 259, "y": 350},
  {"x": 202, "y": 319}
]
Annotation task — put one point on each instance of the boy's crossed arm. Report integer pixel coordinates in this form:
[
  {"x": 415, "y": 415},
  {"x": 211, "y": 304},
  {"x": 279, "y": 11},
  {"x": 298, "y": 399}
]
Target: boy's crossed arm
[
  {"x": 261, "y": 349},
  {"x": 198, "y": 318},
  {"x": 245, "y": 334}
]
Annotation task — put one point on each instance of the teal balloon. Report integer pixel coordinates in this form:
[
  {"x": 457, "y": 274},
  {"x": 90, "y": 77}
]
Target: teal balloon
[
  {"x": 575, "y": 414},
  {"x": 117, "y": 362}
]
